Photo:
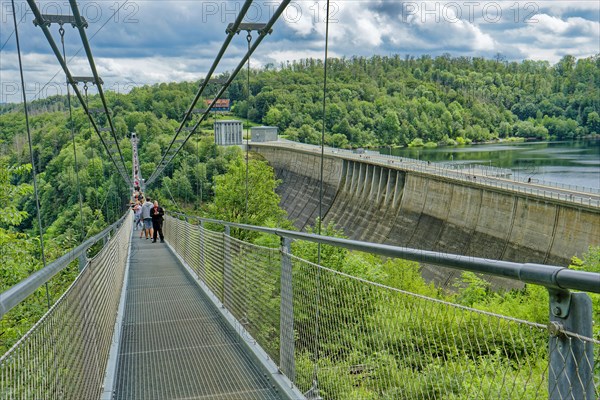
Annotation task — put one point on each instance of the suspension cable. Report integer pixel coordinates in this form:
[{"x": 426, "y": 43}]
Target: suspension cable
[
  {"x": 323, "y": 127},
  {"x": 262, "y": 35},
  {"x": 224, "y": 46},
  {"x": 87, "y": 104},
  {"x": 88, "y": 51},
  {"x": 196, "y": 174},
  {"x": 33, "y": 168},
  {"x": 13, "y": 32},
  {"x": 172, "y": 198},
  {"x": 61, "y": 31},
  {"x": 318, "y": 277},
  {"x": 249, "y": 40}
]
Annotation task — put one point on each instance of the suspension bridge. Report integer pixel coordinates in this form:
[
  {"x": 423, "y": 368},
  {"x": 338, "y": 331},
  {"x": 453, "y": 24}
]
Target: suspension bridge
[{"x": 209, "y": 316}]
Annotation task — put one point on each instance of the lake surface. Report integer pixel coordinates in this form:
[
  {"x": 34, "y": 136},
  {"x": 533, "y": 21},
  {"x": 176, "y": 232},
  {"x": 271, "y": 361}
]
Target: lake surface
[{"x": 572, "y": 163}]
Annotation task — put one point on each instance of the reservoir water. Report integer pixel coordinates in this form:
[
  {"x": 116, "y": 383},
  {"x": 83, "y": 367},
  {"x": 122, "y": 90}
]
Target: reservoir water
[{"x": 571, "y": 163}]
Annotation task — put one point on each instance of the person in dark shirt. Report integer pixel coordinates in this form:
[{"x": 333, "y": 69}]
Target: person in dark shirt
[{"x": 157, "y": 220}]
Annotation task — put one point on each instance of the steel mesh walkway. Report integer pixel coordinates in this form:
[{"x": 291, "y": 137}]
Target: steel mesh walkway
[{"x": 174, "y": 343}]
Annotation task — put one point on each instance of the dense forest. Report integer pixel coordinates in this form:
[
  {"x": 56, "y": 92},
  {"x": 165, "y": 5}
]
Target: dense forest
[
  {"x": 370, "y": 102},
  {"x": 392, "y": 101}
]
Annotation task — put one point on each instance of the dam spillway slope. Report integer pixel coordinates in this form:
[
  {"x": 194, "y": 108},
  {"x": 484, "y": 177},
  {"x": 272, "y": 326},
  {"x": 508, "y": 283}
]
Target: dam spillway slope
[{"x": 396, "y": 206}]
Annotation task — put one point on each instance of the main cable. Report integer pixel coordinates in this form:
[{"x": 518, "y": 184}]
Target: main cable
[
  {"x": 110, "y": 18},
  {"x": 205, "y": 82},
  {"x": 52, "y": 43},
  {"x": 241, "y": 64},
  {"x": 88, "y": 51},
  {"x": 35, "y": 185}
]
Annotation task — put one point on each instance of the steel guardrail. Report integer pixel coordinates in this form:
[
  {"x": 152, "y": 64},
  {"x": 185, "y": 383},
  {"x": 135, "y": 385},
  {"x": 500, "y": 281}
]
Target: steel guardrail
[
  {"x": 299, "y": 312},
  {"x": 550, "y": 276}
]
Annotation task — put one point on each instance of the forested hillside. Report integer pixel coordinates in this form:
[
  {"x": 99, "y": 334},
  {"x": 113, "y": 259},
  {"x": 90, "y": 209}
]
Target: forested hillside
[
  {"x": 370, "y": 102},
  {"x": 392, "y": 101}
]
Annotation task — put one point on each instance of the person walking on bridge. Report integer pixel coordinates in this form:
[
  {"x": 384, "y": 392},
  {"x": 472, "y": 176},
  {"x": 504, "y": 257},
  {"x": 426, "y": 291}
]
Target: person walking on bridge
[
  {"x": 157, "y": 220},
  {"x": 137, "y": 210},
  {"x": 147, "y": 217}
]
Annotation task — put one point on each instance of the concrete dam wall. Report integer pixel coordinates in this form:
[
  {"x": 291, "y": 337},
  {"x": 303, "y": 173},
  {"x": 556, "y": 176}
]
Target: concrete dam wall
[{"x": 386, "y": 204}]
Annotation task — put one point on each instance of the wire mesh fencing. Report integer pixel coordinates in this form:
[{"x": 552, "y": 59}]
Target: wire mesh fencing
[
  {"x": 64, "y": 355},
  {"x": 255, "y": 293},
  {"x": 244, "y": 277},
  {"x": 360, "y": 340},
  {"x": 350, "y": 338}
]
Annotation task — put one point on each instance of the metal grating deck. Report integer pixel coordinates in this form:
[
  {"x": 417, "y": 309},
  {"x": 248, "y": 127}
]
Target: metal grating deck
[{"x": 174, "y": 343}]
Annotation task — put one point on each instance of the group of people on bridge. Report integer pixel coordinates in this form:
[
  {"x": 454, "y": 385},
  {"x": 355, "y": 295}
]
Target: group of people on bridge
[{"x": 147, "y": 214}]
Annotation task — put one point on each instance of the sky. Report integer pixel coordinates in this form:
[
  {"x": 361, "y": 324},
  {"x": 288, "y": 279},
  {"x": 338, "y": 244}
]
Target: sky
[{"x": 145, "y": 42}]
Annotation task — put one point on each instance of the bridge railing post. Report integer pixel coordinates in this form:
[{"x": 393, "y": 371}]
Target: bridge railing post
[
  {"x": 82, "y": 260},
  {"x": 186, "y": 240},
  {"x": 286, "y": 314},
  {"x": 571, "y": 358},
  {"x": 178, "y": 234},
  {"x": 227, "y": 270},
  {"x": 202, "y": 269}
]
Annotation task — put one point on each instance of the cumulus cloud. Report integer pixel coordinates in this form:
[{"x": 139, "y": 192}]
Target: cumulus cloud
[
  {"x": 154, "y": 41},
  {"x": 551, "y": 38}
]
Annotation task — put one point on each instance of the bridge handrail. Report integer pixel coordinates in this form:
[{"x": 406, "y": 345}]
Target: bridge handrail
[
  {"x": 19, "y": 292},
  {"x": 279, "y": 298},
  {"x": 552, "y": 277}
]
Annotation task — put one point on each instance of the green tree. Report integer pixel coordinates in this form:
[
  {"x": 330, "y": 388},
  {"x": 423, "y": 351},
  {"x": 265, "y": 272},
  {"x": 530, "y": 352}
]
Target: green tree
[
  {"x": 230, "y": 195},
  {"x": 593, "y": 122},
  {"x": 390, "y": 127},
  {"x": 339, "y": 140},
  {"x": 17, "y": 250},
  {"x": 11, "y": 194}
]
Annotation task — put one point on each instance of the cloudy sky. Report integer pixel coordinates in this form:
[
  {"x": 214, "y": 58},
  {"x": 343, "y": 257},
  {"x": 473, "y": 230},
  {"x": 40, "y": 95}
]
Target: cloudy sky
[{"x": 142, "y": 42}]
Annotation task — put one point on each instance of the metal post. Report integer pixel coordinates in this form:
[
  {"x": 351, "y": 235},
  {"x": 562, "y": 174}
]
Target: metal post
[
  {"x": 202, "y": 271},
  {"x": 186, "y": 228},
  {"x": 82, "y": 260},
  {"x": 178, "y": 234},
  {"x": 286, "y": 319},
  {"x": 570, "y": 374},
  {"x": 227, "y": 270}
]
